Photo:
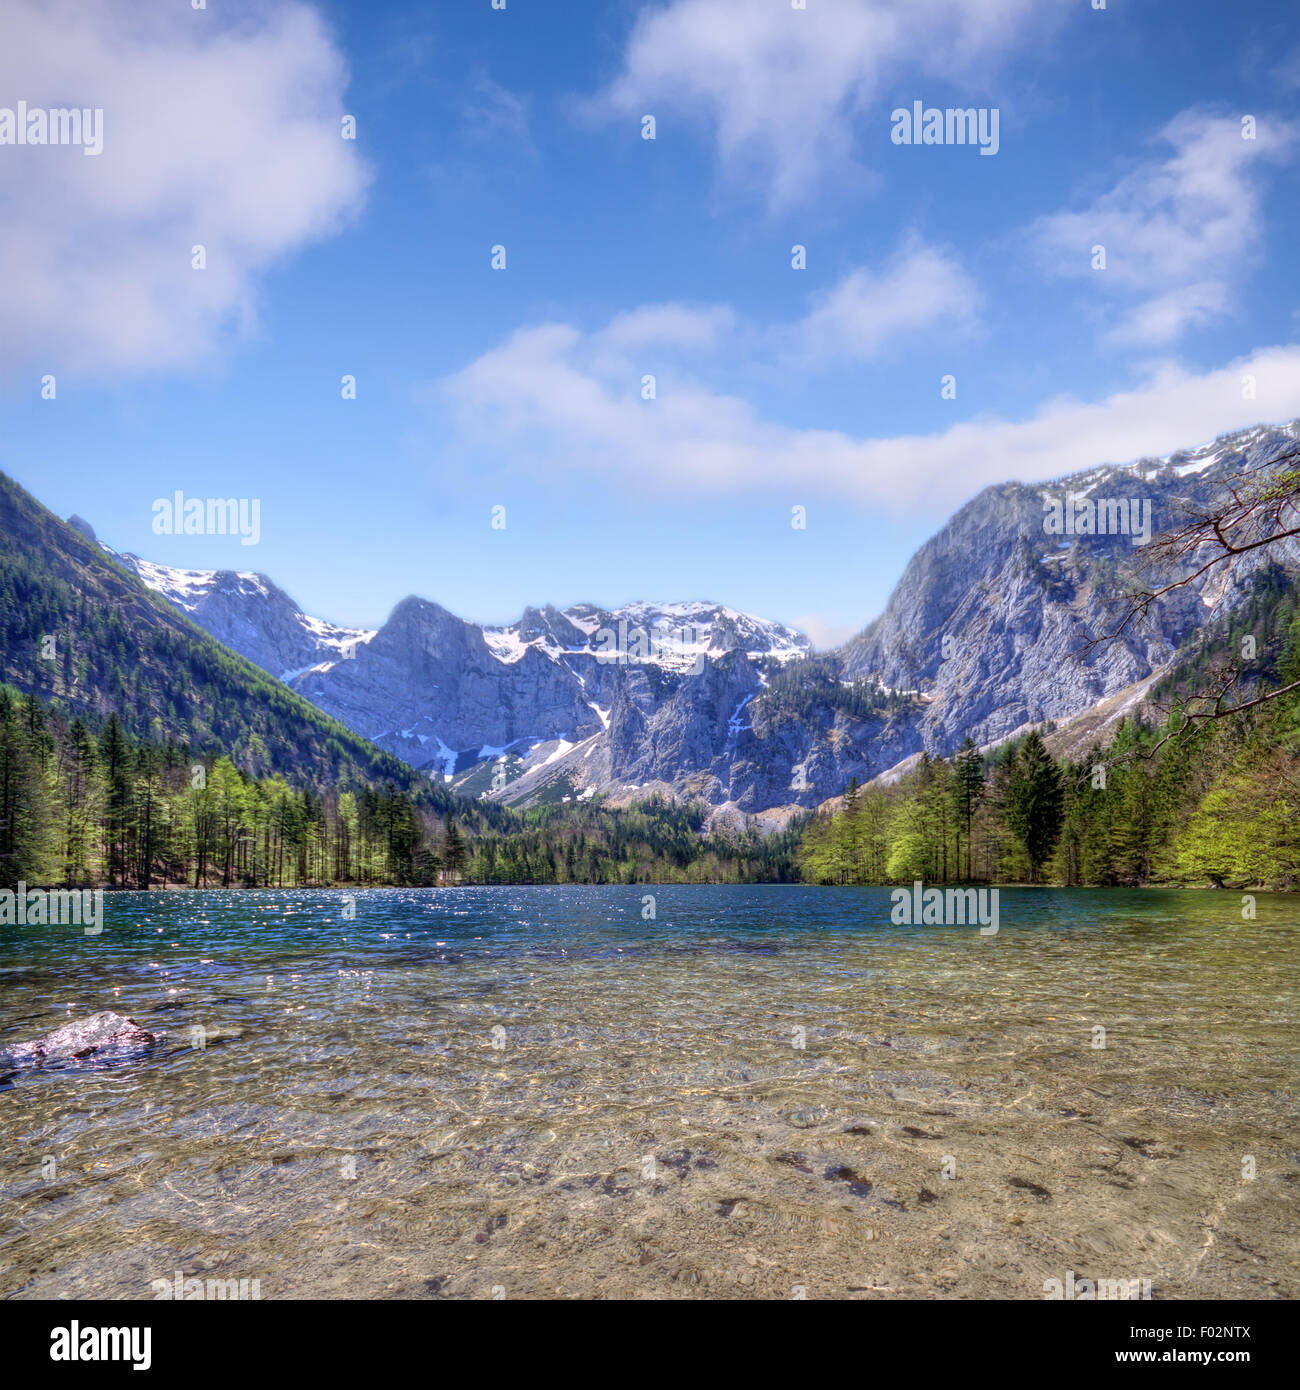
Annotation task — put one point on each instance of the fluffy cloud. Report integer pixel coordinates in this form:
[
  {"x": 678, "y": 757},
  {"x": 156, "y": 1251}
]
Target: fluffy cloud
[
  {"x": 583, "y": 392},
  {"x": 1179, "y": 230},
  {"x": 668, "y": 325},
  {"x": 579, "y": 396},
  {"x": 825, "y": 636},
  {"x": 558, "y": 398},
  {"x": 864, "y": 314},
  {"x": 780, "y": 87},
  {"x": 225, "y": 137}
]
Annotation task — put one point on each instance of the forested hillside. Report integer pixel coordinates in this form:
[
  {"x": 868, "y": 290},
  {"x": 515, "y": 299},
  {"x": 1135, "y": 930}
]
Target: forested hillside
[
  {"x": 1216, "y": 804},
  {"x": 85, "y": 806},
  {"x": 78, "y": 629},
  {"x": 137, "y": 751}
]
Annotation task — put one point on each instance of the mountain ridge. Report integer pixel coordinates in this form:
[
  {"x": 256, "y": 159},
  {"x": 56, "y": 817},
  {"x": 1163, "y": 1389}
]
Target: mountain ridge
[
  {"x": 993, "y": 626},
  {"x": 80, "y": 629}
]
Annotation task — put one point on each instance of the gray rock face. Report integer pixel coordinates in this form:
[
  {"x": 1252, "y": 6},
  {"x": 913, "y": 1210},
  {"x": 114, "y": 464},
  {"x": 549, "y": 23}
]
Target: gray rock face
[
  {"x": 989, "y": 629},
  {"x": 435, "y": 689},
  {"x": 250, "y": 615},
  {"x": 716, "y": 737},
  {"x": 95, "y": 1036},
  {"x": 455, "y": 699},
  {"x": 993, "y": 618},
  {"x": 638, "y": 694}
]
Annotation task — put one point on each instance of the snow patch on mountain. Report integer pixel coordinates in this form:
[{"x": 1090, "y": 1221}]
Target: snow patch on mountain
[
  {"x": 248, "y": 612},
  {"x": 505, "y": 644},
  {"x": 989, "y": 630},
  {"x": 677, "y": 634}
]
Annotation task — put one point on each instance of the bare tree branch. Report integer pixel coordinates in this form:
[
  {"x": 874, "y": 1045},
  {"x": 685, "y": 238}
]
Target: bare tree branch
[{"x": 1256, "y": 509}]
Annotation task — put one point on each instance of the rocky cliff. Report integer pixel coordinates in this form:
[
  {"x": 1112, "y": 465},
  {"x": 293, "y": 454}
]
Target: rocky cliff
[{"x": 993, "y": 625}]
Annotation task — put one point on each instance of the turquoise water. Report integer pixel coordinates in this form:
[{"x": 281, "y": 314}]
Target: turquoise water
[{"x": 762, "y": 1092}]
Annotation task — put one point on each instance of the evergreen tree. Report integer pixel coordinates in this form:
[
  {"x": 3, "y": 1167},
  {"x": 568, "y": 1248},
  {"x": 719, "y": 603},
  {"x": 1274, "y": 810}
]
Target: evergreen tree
[
  {"x": 453, "y": 851},
  {"x": 25, "y": 807},
  {"x": 1034, "y": 802},
  {"x": 967, "y": 789},
  {"x": 115, "y": 757}
]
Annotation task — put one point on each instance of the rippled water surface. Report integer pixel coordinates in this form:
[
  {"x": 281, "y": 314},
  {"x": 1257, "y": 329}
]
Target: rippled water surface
[{"x": 538, "y": 1092}]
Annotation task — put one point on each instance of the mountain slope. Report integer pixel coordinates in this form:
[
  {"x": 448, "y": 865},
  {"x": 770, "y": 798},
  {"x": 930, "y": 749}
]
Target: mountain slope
[
  {"x": 993, "y": 626},
  {"x": 656, "y": 690},
  {"x": 993, "y": 617},
  {"x": 248, "y": 613},
  {"x": 78, "y": 628}
]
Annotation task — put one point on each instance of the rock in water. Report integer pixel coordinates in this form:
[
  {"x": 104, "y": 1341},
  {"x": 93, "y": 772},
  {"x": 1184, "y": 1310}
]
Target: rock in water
[{"x": 83, "y": 1037}]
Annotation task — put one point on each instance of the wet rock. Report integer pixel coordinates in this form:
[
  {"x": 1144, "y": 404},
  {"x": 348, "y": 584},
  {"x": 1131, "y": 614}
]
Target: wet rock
[
  {"x": 857, "y": 1184},
  {"x": 606, "y": 1182},
  {"x": 99, "y": 1034},
  {"x": 678, "y": 1161},
  {"x": 1149, "y": 1148},
  {"x": 808, "y": 1119}
]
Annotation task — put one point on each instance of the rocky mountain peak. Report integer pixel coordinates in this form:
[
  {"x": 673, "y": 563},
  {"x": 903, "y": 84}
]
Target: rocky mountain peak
[{"x": 988, "y": 630}]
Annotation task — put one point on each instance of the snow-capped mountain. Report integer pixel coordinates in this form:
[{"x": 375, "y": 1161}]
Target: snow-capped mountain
[
  {"x": 250, "y": 614},
  {"x": 685, "y": 632},
  {"x": 991, "y": 628},
  {"x": 486, "y": 705},
  {"x": 451, "y": 696}
]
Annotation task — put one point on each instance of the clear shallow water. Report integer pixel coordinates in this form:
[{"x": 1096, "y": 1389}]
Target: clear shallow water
[{"x": 542, "y": 1094}]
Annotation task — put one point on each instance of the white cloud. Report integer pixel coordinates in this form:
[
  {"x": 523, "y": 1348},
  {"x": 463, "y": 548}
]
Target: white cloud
[
  {"x": 864, "y": 313},
  {"x": 557, "y": 398},
  {"x": 668, "y": 325},
  {"x": 825, "y": 636},
  {"x": 225, "y": 137},
  {"x": 582, "y": 393},
  {"x": 862, "y": 316},
  {"x": 493, "y": 114},
  {"x": 781, "y": 87},
  {"x": 1179, "y": 231}
]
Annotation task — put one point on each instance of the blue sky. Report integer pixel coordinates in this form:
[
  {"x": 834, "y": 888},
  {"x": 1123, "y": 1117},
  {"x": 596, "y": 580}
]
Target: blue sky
[{"x": 775, "y": 388}]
